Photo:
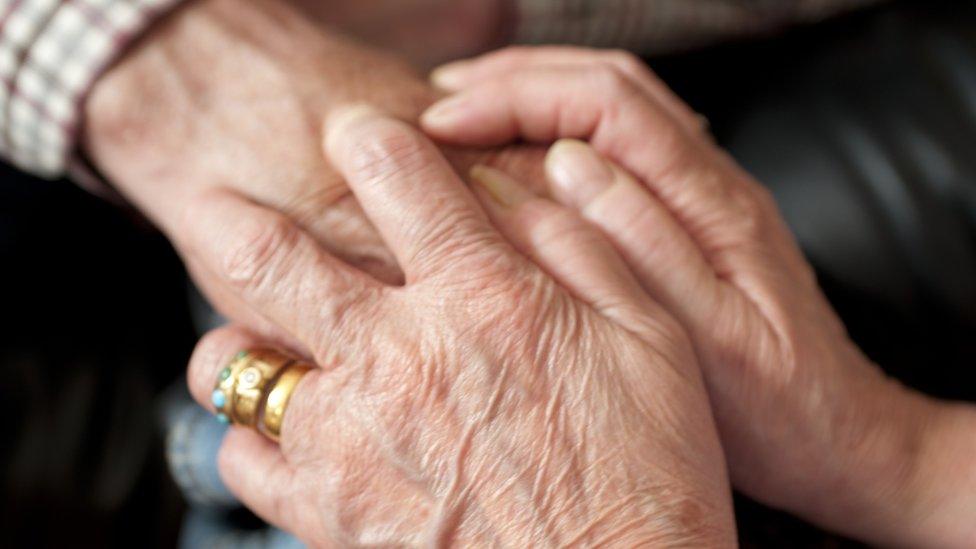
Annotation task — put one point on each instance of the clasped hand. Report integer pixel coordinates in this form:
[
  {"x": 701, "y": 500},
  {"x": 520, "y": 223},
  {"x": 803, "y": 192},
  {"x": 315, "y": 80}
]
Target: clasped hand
[{"x": 549, "y": 370}]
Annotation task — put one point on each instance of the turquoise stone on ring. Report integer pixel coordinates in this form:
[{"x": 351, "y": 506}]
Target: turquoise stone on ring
[
  {"x": 223, "y": 418},
  {"x": 224, "y": 374},
  {"x": 218, "y": 398}
]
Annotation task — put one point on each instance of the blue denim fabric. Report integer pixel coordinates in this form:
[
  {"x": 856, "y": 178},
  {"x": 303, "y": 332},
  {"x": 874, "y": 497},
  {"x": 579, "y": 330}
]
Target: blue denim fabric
[
  {"x": 192, "y": 442},
  {"x": 210, "y": 529}
]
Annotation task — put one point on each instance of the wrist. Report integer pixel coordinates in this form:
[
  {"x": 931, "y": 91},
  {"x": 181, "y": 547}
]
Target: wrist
[
  {"x": 231, "y": 79},
  {"x": 59, "y": 51},
  {"x": 232, "y": 94},
  {"x": 119, "y": 111},
  {"x": 940, "y": 495},
  {"x": 130, "y": 108},
  {"x": 898, "y": 477}
]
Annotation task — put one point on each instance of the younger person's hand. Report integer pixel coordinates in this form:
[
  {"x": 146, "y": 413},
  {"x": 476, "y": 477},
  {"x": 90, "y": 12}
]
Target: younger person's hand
[{"x": 808, "y": 423}]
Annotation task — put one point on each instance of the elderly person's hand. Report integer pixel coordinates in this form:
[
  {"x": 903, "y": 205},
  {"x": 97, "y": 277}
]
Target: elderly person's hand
[
  {"x": 492, "y": 400},
  {"x": 807, "y": 422},
  {"x": 231, "y": 94}
]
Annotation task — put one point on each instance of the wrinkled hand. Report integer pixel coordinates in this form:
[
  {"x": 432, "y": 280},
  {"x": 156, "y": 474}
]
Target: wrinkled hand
[
  {"x": 808, "y": 424},
  {"x": 231, "y": 94},
  {"x": 485, "y": 402}
]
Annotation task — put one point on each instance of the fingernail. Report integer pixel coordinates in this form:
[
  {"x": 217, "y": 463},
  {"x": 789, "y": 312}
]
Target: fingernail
[
  {"x": 450, "y": 76},
  {"x": 445, "y": 112},
  {"x": 345, "y": 115},
  {"x": 577, "y": 173},
  {"x": 340, "y": 121},
  {"x": 504, "y": 190}
]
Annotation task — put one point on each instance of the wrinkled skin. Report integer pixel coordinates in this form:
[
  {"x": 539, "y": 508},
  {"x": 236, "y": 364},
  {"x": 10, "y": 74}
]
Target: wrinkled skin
[
  {"x": 215, "y": 119},
  {"x": 231, "y": 94},
  {"x": 807, "y": 422},
  {"x": 492, "y": 399}
]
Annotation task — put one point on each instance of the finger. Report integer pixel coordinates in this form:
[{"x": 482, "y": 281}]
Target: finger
[
  {"x": 571, "y": 250},
  {"x": 347, "y": 495},
  {"x": 730, "y": 217},
  {"x": 193, "y": 439},
  {"x": 254, "y": 469},
  {"x": 213, "y": 353},
  {"x": 230, "y": 305},
  {"x": 342, "y": 228},
  {"x": 251, "y": 466},
  {"x": 424, "y": 212},
  {"x": 548, "y": 103},
  {"x": 464, "y": 74},
  {"x": 320, "y": 439},
  {"x": 217, "y": 349},
  {"x": 277, "y": 269},
  {"x": 666, "y": 261}
]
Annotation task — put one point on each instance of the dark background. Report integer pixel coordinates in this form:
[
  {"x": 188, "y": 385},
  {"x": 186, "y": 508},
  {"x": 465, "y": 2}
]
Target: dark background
[{"x": 864, "y": 128}]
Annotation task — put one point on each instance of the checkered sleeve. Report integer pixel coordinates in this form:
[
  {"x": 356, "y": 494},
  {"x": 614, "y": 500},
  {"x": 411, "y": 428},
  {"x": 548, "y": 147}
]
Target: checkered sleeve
[
  {"x": 51, "y": 52},
  {"x": 650, "y": 26}
]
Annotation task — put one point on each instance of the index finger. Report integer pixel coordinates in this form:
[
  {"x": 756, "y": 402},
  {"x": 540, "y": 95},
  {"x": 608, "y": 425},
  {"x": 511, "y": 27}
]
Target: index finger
[
  {"x": 710, "y": 196},
  {"x": 425, "y": 213},
  {"x": 468, "y": 73}
]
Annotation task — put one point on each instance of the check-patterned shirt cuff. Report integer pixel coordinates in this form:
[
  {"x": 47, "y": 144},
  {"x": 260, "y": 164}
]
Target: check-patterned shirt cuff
[
  {"x": 51, "y": 52},
  {"x": 650, "y": 26}
]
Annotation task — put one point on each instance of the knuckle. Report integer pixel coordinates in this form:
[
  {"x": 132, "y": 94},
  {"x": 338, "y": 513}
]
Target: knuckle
[
  {"x": 389, "y": 151},
  {"x": 678, "y": 162},
  {"x": 341, "y": 316},
  {"x": 341, "y": 306},
  {"x": 444, "y": 242},
  {"x": 113, "y": 118},
  {"x": 256, "y": 250},
  {"x": 639, "y": 220}
]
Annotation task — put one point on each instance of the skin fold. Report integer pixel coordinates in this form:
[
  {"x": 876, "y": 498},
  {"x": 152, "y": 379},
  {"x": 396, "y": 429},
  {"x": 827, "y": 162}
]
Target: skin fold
[
  {"x": 494, "y": 400},
  {"x": 807, "y": 422}
]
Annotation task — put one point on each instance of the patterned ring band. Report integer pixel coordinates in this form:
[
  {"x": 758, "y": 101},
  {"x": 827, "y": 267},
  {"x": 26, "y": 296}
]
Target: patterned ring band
[{"x": 254, "y": 390}]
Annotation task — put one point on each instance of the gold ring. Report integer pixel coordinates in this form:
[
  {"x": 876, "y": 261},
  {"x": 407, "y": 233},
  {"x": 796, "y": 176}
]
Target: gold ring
[
  {"x": 255, "y": 383},
  {"x": 278, "y": 397}
]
